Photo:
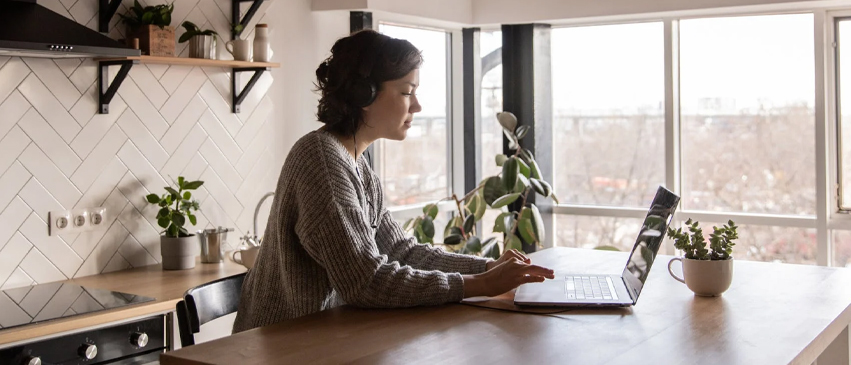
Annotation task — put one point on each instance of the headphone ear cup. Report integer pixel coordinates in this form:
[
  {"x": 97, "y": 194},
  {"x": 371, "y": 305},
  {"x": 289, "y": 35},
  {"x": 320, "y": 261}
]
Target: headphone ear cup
[{"x": 363, "y": 92}]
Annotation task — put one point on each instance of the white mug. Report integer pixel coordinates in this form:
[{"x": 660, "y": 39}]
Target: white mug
[
  {"x": 247, "y": 255},
  {"x": 240, "y": 49}
]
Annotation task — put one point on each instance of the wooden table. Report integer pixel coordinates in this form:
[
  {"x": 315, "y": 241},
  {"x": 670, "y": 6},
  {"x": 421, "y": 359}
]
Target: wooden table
[
  {"x": 772, "y": 314},
  {"x": 166, "y": 286}
]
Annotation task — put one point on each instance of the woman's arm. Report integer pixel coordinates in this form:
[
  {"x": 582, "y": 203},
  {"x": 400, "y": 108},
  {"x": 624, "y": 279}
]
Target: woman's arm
[
  {"x": 392, "y": 242},
  {"x": 341, "y": 241}
]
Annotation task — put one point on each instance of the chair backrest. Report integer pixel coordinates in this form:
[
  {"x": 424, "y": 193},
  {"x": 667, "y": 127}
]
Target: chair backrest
[{"x": 205, "y": 303}]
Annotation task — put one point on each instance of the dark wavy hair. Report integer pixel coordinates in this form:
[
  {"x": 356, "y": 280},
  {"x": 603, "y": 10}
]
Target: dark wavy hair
[{"x": 365, "y": 52}]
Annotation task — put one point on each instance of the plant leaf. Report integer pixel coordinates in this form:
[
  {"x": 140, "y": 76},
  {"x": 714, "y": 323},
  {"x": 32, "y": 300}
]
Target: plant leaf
[
  {"x": 428, "y": 227},
  {"x": 509, "y": 173},
  {"x": 524, "y": 226},
  {"x": 521, "y": 184},
  {"x": 187, "y": 195},
  {"x": 492, "y": 190},
  {"x": 185, "y": 37},
  {"x": 173, "y": 231},
  {"x": 534, "y": 170},
  {"x": 507, "y": 120},
  {"x": 163, "y": 222},
  {"x": 524, "y": 168},
  {"x": 152, "y": 198},
  {"x": 469, "y": 222},
  {"x": 490, "y": 248},
  {"x": 505, "y": 200},
  {"x": 430, "y": 210},
  {"x": 452, "y": 239},
  {"x": 500, "y": 159},
  {"x": 192, "y": 219},
  {"x": 538, "y": 223},
  {"x": 474, "y": 245},
  {"x": 178, "y": 219},
  {"x": 522, "y": 131},
  {"x": 163, "y": 213},
  {"x": 192, "y": 185},
  {"x": 499, "y": 222},
  {"x": 174, "y": 194},
  {"x": 513, "y": 243},
  {"x": 538, "y": 187}
]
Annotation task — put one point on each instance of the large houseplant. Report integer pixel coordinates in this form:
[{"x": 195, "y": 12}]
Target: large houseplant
[
  {"x": 706, "y": 271},
  {"x": 152, "y": 26},
  {"x": 520, "y": 177},
  {"x": 177, "y": 245}
]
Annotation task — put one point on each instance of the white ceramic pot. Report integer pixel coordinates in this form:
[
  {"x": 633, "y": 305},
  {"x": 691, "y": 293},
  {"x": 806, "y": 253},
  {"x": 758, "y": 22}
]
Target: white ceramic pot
[
  {"x": 708, "y": 278},
  {"x": 202, "y": 46},
  {"x": 179, "y": 253}
]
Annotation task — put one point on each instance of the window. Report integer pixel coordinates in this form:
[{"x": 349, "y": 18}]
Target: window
[
  {"x": 417, "y": 170},
  {"x": 490, "y": 50},
  {"x": 843, "y": 62},
  {"x": 747, "y": 114},
  {"x": 608, "y": 113}
]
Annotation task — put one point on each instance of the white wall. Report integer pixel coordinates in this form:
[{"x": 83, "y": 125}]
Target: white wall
[{"x": 165, "y": 121}]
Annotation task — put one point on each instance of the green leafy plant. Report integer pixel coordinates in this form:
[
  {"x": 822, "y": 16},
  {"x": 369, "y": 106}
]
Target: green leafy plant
[
  {"x": 693, "y": 243},
  {"x": 172, "y": 218},
  {"x": 159, "y": 15},
  {"x": 520, "y": 177},
  {"x": 193, "y": 30}
]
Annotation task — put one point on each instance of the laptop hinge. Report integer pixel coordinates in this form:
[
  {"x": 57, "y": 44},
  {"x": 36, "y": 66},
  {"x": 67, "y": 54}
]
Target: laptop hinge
[{"x": 628, "y": 289}]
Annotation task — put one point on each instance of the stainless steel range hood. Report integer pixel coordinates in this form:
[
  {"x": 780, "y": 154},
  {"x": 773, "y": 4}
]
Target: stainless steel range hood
[{"x": 31, "y": 30}]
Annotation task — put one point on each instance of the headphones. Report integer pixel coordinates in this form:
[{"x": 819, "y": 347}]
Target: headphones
[{"x": 363, "y": 89}]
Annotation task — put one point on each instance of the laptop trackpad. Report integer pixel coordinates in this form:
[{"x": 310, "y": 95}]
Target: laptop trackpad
[{"x": 549, "y": 290}]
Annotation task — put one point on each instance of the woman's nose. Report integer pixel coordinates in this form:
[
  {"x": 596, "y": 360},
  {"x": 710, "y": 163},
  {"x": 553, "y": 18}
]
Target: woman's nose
[{"x": 415, "y": 106}]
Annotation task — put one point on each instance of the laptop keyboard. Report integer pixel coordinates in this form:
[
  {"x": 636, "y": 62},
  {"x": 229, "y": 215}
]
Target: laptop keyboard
[{"x": 589, "y": 287}]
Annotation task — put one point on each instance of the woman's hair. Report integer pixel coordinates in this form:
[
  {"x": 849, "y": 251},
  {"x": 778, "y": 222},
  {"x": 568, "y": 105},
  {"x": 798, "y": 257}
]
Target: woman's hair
[{"x": 349, "y": 79}]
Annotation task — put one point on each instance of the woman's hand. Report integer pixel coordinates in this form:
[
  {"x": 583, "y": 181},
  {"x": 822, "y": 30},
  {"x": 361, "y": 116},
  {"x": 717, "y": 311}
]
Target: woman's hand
[
  {"x": 508, "y": 255},
  {"x": 503, "y": 277}
]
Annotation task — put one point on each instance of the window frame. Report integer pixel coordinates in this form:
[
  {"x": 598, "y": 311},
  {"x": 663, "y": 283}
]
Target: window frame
[{"x": 454, "y": 108}]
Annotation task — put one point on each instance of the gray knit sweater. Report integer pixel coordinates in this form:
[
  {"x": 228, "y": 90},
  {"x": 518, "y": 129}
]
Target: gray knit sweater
[{"x": 320, "y": 249}]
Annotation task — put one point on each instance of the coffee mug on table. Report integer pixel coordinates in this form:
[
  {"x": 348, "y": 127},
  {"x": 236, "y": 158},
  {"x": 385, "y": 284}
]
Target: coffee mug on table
[
  {"x": 707, "y": 278},
  {"x": 245, "y": 255},
  {"x": 240, "y": 49}
]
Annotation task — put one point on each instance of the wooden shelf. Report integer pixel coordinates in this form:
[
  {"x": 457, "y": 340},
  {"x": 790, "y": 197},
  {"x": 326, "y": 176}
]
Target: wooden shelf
[{"x": 183, "y": 61}]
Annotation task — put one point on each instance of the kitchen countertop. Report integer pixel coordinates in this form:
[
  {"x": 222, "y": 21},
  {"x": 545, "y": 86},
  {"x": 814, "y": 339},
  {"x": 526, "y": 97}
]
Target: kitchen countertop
[{"x": 167, "y": 286}]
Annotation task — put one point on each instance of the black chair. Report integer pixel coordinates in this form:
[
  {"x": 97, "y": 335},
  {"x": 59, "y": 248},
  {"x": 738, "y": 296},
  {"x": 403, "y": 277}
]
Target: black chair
[{"x": 205, "y": 303}]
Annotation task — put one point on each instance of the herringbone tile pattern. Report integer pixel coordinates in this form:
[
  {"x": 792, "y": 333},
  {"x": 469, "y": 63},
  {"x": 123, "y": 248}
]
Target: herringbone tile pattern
[{"x": 56, "y": 153}]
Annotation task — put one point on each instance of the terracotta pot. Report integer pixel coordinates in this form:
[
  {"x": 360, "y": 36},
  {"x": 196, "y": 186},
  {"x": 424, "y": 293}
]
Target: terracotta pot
[{"x": 179, "y": 253}]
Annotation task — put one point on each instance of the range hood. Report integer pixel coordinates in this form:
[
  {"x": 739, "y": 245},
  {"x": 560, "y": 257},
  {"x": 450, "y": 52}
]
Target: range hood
[{"x": 31, "y": 30}]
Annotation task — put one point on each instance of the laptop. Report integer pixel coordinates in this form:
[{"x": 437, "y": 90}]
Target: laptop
[{"x": 591, "y": 290}]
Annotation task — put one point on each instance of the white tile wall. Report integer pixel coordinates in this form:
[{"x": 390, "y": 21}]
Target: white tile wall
[{"x": 165, "y": 121}]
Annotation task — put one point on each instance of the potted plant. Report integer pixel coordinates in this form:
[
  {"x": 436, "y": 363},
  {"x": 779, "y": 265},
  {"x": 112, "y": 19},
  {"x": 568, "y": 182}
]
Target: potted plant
[
  {"x": 707, "y": 272},
  {"x": 177, "y": 245},
  {"x": 202, "y": 43},
  {"x": 151, "y": 25},
  {"x": 520, "y": 177}
]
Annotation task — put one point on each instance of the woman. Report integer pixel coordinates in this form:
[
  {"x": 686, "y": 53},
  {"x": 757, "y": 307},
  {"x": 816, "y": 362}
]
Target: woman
[{"x": 330, "y": 239}]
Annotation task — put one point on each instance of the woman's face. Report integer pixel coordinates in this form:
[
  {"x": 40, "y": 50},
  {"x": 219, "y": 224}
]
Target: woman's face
[{"x": 390, "y": 115}]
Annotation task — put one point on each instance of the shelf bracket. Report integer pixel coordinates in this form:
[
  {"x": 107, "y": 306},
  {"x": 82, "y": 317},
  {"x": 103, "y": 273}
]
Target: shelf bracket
[
  {"x": 105, "y": 13},
  {"x": 105, "y": 90},
  {"x": 255, "y": 4},
  {"x": 239, "y": 97}
]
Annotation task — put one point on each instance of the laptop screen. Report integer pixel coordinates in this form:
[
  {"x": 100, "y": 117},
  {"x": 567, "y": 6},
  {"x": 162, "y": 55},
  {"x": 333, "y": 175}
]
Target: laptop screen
[{"x": 649, "y": 240}]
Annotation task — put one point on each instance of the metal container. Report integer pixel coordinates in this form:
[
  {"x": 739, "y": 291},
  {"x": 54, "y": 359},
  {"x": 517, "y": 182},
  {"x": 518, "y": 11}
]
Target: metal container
[
  {"x": 212, "y": 244},
  {"x": 202, "y": 46}
]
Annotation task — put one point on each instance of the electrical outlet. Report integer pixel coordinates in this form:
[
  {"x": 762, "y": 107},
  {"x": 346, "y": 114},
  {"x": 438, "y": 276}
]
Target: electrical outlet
[{"x": 76, "y": 221}]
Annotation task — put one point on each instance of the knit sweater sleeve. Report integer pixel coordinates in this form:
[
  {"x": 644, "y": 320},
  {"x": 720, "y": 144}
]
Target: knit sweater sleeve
[
  {"x": 334, "y": 231},
  {"x": 392, "y": 241}
]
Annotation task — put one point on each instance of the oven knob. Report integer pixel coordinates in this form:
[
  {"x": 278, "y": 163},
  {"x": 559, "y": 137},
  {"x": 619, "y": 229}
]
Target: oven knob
[
  {"x": 88, "y": 351},
  {"x": 32, "y": 360},
  {"x": 139, "y": 339}
]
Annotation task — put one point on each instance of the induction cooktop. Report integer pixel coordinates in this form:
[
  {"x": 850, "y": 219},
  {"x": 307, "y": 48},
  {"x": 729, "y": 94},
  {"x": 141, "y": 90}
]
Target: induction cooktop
[{"x": 45, "y": 302}]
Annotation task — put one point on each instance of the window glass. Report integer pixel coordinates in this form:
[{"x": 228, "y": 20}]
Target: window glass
[
  {"x": 594, "y": 232},
  {"x": 843, "y": 63},
  {"x": 608, "y": 113},
  {"x": 747, "y": 114},
  {"x": 416, "y": 170}
]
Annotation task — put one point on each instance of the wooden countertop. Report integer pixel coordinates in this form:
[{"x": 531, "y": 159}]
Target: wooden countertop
[
  {"x": 772, "y": 314},
  {"x": 167, "y": 286}
]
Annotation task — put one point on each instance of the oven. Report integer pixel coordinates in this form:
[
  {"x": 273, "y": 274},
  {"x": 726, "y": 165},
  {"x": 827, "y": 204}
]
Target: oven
[{"x": 137, "y": 342}]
